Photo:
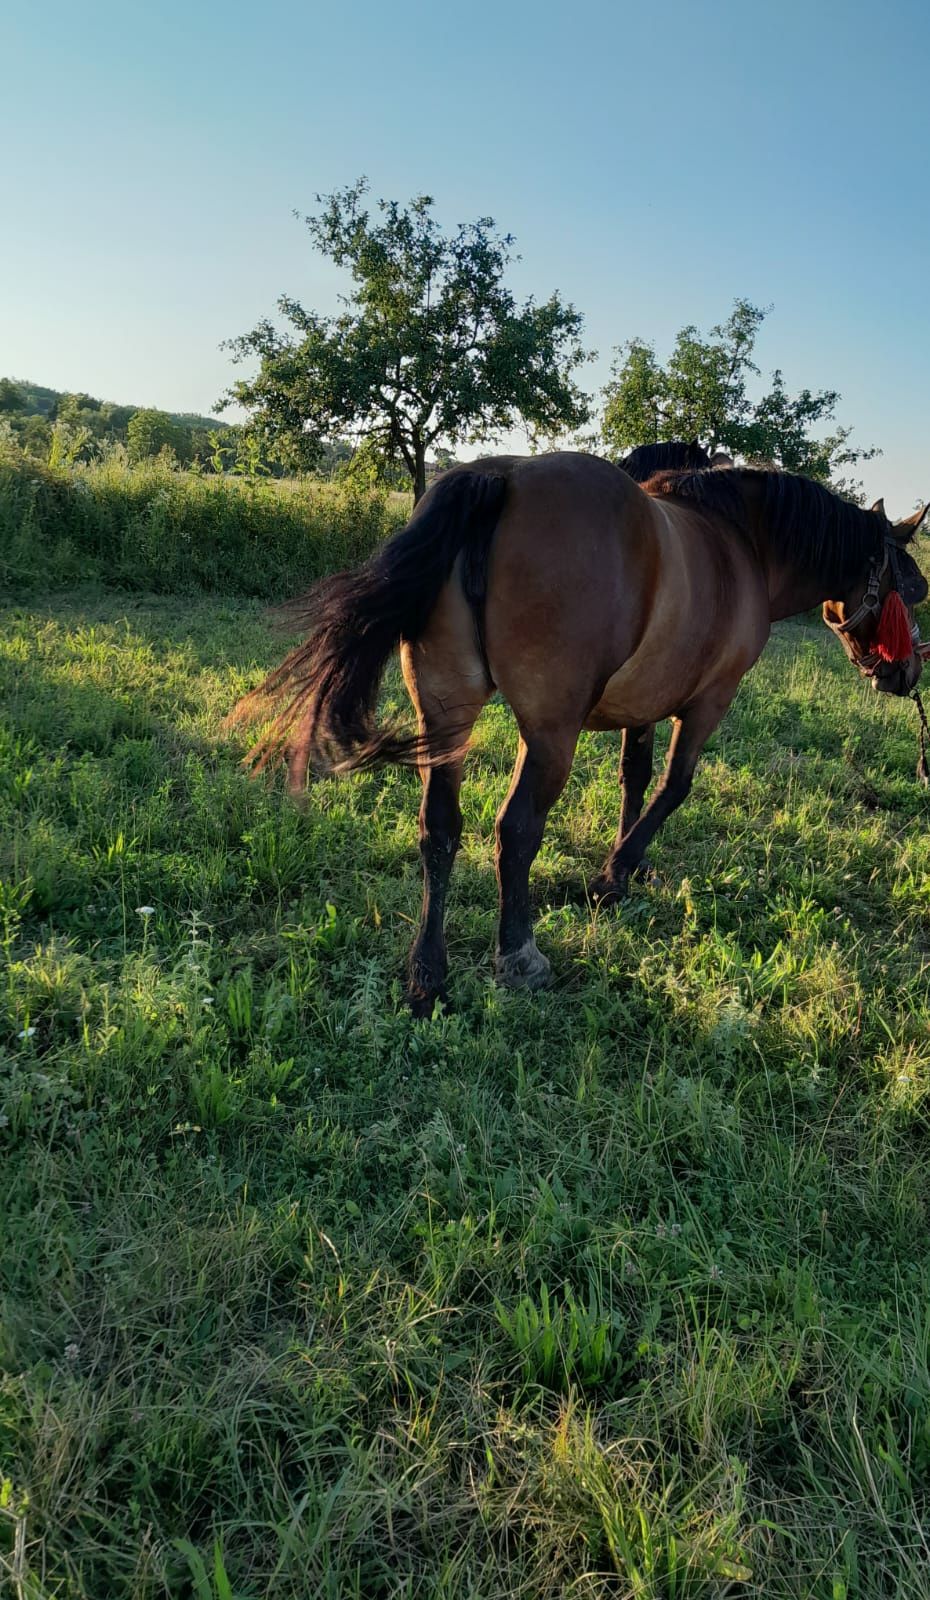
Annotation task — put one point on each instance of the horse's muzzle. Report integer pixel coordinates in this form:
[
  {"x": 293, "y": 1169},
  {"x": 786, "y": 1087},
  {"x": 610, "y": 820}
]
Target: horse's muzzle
[{"x": 898, "y": 677}]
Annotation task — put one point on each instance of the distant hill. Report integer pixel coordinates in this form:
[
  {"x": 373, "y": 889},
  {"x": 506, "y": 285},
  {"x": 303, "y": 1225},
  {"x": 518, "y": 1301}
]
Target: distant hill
[
  {"x": 73, "y": 426},
  {"x": 38, "y": 401},
  {"x": 41, "y": 402}
]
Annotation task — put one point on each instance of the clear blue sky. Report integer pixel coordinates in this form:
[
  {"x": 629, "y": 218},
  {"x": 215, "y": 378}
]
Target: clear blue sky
[{"x": 654, "y": 162}]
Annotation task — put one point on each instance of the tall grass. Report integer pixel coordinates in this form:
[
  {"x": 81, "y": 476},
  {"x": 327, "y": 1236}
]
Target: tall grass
[{"x": 157, "y": 528}]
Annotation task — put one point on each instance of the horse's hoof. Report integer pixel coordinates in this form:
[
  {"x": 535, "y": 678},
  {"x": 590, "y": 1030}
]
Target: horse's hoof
[
  {"x": 526, "y": 968},
  {"x": 609, "y": 889},
  {"x": 422, "y": 995},
  {"x": 421, "y": 1005},
  {"x": 606, "y": 892}
]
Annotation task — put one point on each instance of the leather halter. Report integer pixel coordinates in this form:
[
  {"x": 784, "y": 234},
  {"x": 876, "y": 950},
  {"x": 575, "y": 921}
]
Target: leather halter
[
  {"x": 868, "y": 662},
  {"x": 871, "y": 605}
]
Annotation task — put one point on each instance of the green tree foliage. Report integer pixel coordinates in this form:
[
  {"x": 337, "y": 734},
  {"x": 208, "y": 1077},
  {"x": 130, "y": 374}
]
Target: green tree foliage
[
  {"x": 368, "y": 467},
  {"x": 702, "y": 392},
  {"x": 149, "y": 432},
  {"x": 431, "y": 345},
  {"x": 35, "y": 436},
  {"x": 39, "y": 401},
  {"x": 12, "y": 398},
  {"x": 78, "y": 427},
  {"x": 333, "y": 457}
]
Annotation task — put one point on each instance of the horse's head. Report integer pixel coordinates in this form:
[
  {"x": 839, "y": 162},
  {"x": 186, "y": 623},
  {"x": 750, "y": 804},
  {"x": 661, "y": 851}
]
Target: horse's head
[{"x": 875, "y": 620}]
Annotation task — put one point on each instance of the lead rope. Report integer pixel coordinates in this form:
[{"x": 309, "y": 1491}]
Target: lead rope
[{"x": 923, "y": 770}]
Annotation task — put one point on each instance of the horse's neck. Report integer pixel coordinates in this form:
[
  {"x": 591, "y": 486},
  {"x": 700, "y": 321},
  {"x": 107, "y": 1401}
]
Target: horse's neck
[{"x": 790, "y": 593}]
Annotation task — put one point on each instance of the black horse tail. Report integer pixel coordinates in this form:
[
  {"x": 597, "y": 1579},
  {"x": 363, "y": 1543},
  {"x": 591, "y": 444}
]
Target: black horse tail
[{"x": 324, "y": 693}]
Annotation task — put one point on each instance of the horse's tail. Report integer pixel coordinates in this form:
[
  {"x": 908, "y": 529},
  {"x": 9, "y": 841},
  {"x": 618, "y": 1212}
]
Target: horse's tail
[{"x": 325, "y": 692}]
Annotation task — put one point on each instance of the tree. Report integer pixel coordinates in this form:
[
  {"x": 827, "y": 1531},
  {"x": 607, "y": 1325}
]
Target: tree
[
  {"x": 431, "y": 345},
  {"x": 149, "y": 431},
  {"x": 12, "y": 399},
  {"x": 703, "y": 393},
  {"x": 777, "y": 431},
  {"x": 35, "y": 436}
]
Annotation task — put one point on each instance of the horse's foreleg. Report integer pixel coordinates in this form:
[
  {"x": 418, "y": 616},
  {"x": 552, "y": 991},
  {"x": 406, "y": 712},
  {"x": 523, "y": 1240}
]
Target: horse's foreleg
[
  {"x": 543, "y": 764},
  {"x": 636, "y": 759},
  {"x": 691, "y": 733},
  {"x": 635, "y": 775}
]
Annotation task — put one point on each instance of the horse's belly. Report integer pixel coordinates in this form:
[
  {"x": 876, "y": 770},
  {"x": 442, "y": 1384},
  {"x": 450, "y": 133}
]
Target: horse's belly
[{"x": 630, "y": 702}]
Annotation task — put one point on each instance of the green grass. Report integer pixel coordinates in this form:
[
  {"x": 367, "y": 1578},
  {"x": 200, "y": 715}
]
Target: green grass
[
  {"x": 153, "y": 527},
  {"x": 622, "y": 1290}
]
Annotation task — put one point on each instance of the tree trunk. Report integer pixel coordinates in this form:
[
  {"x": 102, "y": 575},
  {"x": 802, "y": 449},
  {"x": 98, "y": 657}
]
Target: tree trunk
[{"x": 419, "y": 476}]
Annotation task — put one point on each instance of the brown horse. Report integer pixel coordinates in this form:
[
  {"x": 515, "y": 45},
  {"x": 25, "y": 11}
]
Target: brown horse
[{"x": 588, "y": 602}]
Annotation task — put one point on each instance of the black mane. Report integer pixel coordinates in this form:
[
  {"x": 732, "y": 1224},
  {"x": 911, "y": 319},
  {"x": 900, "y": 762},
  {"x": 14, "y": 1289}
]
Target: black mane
[
  {"x": 647, "y": 459},
  {"x": 811, "y": 528}
]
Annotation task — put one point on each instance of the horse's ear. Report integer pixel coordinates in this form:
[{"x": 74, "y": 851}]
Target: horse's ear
[
  {"x": 878, "y": 508},
  {"x": 907, "y": 527}
]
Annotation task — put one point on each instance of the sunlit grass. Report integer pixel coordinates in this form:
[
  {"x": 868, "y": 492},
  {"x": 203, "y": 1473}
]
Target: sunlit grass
[{"x": 620, "y": 1290}]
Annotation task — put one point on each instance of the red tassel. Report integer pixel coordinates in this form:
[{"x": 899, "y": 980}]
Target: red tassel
[{"x": 893, "y": 639}]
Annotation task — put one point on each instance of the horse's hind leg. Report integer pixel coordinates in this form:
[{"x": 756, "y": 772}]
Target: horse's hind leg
[
  {"x": 440, "y": 832},
  {"x": 543, "y": 763},
  {"x": 439, "y": 716}
]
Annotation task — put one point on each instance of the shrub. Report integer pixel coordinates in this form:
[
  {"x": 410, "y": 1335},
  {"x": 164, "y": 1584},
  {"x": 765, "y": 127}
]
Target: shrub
[{"x": 153, "y": 527}]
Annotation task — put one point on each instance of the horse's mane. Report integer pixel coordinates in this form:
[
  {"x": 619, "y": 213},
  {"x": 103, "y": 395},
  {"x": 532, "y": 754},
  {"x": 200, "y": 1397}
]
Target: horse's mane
[
  {"x": 647, "y": 459},
  {"x": 810, "y": 527}
]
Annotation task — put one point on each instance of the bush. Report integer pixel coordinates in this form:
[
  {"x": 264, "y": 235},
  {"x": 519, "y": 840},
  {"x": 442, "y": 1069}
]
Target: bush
[{"x": 151, "y": 526}]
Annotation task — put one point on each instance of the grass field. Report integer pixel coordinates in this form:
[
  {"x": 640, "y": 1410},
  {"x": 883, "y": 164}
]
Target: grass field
[{"x": 621, "y": 1290}]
